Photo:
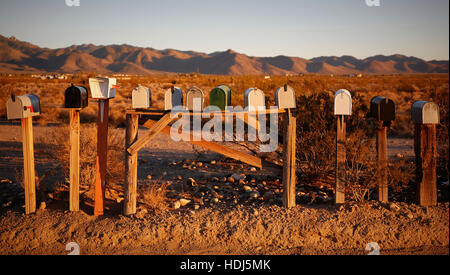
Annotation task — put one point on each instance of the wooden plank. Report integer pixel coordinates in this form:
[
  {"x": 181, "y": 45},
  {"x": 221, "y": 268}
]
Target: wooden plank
[
  {"x": 426, "y": 163},
  {"x": 102, "y": 156},
  {"x": 340, "y": 161},
  {"x": 382, "y": 163},
  {"x": 163, "y": 122},
  {"x": 223, "y": 150},
  {"x": 130, "y": 188},
  {"x": 74, "y": 194},
  {"x": 289, "y": 160},
  {"x": 28, "y": 165},
  {"x": 191, "y": 113}
]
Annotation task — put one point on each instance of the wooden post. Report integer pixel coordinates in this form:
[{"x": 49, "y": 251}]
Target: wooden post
[
  {"x": 130, "y": 188},
  {"x": 382, "y": 163},
  {"x": 426, "y": 158},
  {"x": 28, "y": 165},
  {"x": 74, "y": 200},
  {"x": 102, "y": 155},
  {"x": 340, "y": 161},
  {"x": 289, "y": 160}
]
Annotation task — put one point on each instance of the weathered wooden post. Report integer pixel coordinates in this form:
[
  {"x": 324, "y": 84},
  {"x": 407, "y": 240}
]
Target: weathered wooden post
[
  {"x": 76, "y": 98},
  {"x": 285, "y": 99},
  {"x": 25, "y": 107},
  {"x": 103, "y": 89},
  {"x": 383, "y": 110},
  {"x": 342, "y": 108},
  {"x": 425, "y": 116},
  {"x": 130, "y": 188}
]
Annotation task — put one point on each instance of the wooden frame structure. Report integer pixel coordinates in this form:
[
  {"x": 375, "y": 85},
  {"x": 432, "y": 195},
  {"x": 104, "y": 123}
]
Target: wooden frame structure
[{"x": 160, "y": 125}]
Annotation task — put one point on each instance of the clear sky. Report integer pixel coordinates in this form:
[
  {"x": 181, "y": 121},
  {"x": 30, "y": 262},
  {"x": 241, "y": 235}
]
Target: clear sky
[{"x": 304, "y": 28}]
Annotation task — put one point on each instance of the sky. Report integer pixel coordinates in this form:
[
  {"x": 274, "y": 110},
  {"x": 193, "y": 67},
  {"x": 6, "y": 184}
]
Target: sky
[{"x": 303, "y": 28}]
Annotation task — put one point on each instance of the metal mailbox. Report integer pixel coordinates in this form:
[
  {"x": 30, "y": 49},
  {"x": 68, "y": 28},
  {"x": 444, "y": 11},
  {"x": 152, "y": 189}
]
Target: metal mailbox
[
  {"x": 102, "y": 87},
  {"x": 220, "y": 97},
  {"x": 75, "y": 97},
  {"x": 285, "y": 97},
  {"x": 423, "y": 112},
  {"x": 23, "y": 106},
  {"x": 195, "y": 99},
  {"x": 343, "y": 103},
  {"x": 141, "y": 97},
  {"x": 173, "y": 97},
  {"x": 254, "y": 98},
  {"x": 382, "y": 109}
]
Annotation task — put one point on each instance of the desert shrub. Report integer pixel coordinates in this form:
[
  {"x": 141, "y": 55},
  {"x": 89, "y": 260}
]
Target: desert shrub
[{"x": 154, "y": 196}]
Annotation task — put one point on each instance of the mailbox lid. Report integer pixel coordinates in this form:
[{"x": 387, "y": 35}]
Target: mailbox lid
[
  {"x": 382, "y": 108},
  {"x": 254, "y": 97},
  {"x": 285, "y": 97},
  {"x": 141, "y": 97},
  {"x": 343, "y": 103},
  {"x": 23, "y": 106},
  {"x": 194, "y": 93},
  {"x": 424, "y": 112},
  {"x": 173, "y": 97},
  {"x": 75, "y": 97},
  {"x": 102, "y": 87},
  {"x": 227, "y": 90},
  {"x": 219, "y": 97}
]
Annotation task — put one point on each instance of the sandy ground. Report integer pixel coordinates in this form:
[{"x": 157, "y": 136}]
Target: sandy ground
[{"x": 242, "y": 227}]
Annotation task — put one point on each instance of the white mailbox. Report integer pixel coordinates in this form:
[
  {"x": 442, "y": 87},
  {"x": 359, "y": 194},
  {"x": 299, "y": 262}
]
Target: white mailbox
[
  {"x": 23, "y": 106},
  {"x": 423, "y": 112},
  {"x": 195, "y": 99},
  {"x": 254, "y": 98},
  {"x": 102, "y": 87},
  {"x": 173, "y": 97},
  {"x": 141, "y": 97},
  {"x": 285, "y": 97},
  {"x": 343, "y": 103}
]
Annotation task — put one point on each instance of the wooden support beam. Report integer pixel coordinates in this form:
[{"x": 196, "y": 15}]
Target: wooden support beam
[
  {"x": 340, "y": 161},
  {"x": 130, "y": 188},
  {"x": 102, "y": 155},
  {"x": 223, "y": 150},
  {"x": 382, "y": 163},
  {"x": 289, "y": 159},
  {"x": 28, "y": 165},
  {"x": 154, "y": 130},
  {"x": 426, "y": 163},
  {"x": 74, "y": 194}
]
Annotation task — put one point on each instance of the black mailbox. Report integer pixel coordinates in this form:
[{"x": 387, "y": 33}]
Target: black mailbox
[
  {"x": 75, "y": 97},
  {"x": 382, "y": 109}
]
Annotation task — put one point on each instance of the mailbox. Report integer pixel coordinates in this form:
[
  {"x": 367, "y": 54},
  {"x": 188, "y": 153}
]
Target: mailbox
[
  {"x": 220, "y": 97},
  {"x": 423, "y": 112},
  {"x": 141, "y": 97},
  {"x": 173, "y": 97},
  {"x": 254, "y": 98},
  {"x": 285, "y": 97},
  {"x": 195, "y": 96},
  {"x": 343, "y": 103},
  {"x": 102, "y": 87},
  {"x": 75, "y": 97},
  {"x": 382, "y": 109},
  {"x": 23, "y": 106}
]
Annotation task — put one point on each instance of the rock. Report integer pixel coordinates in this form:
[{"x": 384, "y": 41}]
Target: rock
[
  {"x": 176, "y": 205},
  {"x": 184, "y": 202},
  {"x": 196, "y": 206},
  {"x": 50, "y": 196},
  {"x": 213, "y": 162},
  {"x": 199, "y": 164},
  {"x": 238, "y": 177},
  {"x": 215, "y": 200},
  {"x": 215, "y": 179},
  {"x": 230, "y": 180},
  {"x": 268, "y": 196},
  {"x": 191, "y": 182},
  {"x": 179, "y": 178},
  {"x": 253, "y": 169},
  {"x": 410, "y": 216},
  {"x": 119, "y": 200},
  {"x": 255, "y": 212},
  {"x": 260, "y": 186},
  {"x": 42, "y": 206},
  {"x": 254, "y": 194},
  {"x": 394, "y": 207},
  {"x": 247, "y": 188}
]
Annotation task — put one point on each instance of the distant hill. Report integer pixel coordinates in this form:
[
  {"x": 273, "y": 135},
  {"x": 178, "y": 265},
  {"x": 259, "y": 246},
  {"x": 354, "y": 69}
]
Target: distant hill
[{"x": 17, "y": 56}]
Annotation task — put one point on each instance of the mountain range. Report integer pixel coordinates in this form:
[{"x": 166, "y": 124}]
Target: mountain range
[{"x": 22, "y": 57}]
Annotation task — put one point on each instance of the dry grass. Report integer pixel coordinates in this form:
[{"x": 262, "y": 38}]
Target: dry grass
[{"x": 154, "y": 197}]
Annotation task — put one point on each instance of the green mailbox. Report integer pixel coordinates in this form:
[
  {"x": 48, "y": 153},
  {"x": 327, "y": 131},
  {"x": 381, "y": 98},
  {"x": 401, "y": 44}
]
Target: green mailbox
[{"x": 220, "y": 97}]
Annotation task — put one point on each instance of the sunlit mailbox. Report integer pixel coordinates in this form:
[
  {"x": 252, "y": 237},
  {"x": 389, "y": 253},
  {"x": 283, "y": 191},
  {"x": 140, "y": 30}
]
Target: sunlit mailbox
[
  {"x": 173, "y": 97},
  {"x": 141, "y": 97},
  {"x": 195, "y": 99},
  {"x": 382, "y": 109},
  {"x": 75, "y": 97},
  {"x": 343, "y": 103},
  {"x": 285, "y": 97},
  {"x": 220, "y": 97},
  {"x": 423, "y": 112},
  {"x": 23, "y": 106},
  {"x": 254, "y": 98},
  {"x": 102, "y": 87}
]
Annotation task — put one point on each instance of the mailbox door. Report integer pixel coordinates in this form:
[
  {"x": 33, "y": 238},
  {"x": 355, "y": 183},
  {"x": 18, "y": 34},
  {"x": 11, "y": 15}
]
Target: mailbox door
[
  {"x": 285, "y": 99},
  {"x": 387, "y": 110},
  {"x": 141, "y": 97},
  {"x": 218, "y": 97},
  {"x": 168, "y": 100},
  {"x": 254, "y": 97},
  {"x": 194, "y": 94},
  {"x": 177, "y": 97},
  {"x": 227, "y": 91},
  {"x": 14, "y": 109},
  {"x": 343, "y": 103},
  {"x": 35, "y": 109}
]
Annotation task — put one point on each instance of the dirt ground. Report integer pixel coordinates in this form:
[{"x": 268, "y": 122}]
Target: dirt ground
[{"x": 233, "y": 225}]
